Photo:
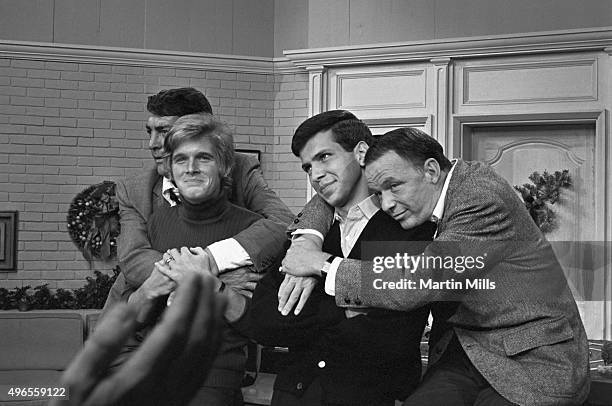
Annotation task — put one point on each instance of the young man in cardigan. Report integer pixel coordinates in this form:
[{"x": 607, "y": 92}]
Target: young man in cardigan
[{"x": 342, "y": 356}]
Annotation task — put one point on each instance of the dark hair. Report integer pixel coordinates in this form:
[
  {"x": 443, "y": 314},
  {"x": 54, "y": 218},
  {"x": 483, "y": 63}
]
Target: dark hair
[
  {"x": 347, "y": 129},
  {"x": 412, "y": 145},
  {"x": 178, "y": 102},
  {"x": 198, "y": 126}
]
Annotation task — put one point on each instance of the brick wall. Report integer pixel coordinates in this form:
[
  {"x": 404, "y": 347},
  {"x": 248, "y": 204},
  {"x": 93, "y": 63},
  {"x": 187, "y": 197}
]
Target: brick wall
[
  {"x": 65, "y": 126},
  {"x": 290, "y": 109}
]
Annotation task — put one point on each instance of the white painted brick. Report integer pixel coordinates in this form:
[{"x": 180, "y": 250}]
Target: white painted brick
[
  {"x": 43, "y": 74},
  {"x": 61, "y": 84},
  {"x": 95, "y": 86},
  {"x": 87, "y": 67},
  {"x": 128, "y": 70},
  {"x": 28, "y": 64},
  {"x": 61, "y": 66},
  {"x": 60, "y": 122},
  {"x": 110, "y": 96},
  {"x": 60, "y": 160},
  {"x": 221, "y": 75},
  {"x": 76, "y": 113},
  {"x": 61, "y": 103},
  {"x": 80, "y": 76}
]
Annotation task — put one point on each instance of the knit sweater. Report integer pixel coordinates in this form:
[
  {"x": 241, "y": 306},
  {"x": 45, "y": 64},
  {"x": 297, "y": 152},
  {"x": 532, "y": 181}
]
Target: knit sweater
[{"x": 188, "y": 225}]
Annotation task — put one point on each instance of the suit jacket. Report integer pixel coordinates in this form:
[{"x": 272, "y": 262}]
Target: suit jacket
[
  {"x": 369, "y": 359},
  {"x": 138, "y": 197},
  {"x": 525, "y": 336}
]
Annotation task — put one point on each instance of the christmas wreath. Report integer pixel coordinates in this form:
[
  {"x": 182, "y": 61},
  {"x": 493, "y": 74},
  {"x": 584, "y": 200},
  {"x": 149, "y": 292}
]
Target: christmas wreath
[{"x": 93, "y": 221}]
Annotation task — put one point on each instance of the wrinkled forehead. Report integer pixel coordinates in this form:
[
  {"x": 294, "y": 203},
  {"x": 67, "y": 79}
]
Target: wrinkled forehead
[{"x": 389, "y": 167}]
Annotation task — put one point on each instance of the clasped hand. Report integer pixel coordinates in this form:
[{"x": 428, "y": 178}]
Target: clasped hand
[{"x": 304, "y": 259}]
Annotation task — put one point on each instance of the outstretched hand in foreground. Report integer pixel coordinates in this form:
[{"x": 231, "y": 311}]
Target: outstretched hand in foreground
[{"x": 170, "y": 365}]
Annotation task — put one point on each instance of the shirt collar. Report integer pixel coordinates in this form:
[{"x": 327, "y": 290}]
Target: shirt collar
[
  {"x": 368, "y": 207},
  {"x": 438, "y": 211},
  {"x": 168, "y": 189}
]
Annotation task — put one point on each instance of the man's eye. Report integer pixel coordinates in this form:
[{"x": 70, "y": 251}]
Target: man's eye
[
  {"x": 179, "y": 160},
  {"x": 394, "y": 187},
  {"x": 324, "y": 157}
]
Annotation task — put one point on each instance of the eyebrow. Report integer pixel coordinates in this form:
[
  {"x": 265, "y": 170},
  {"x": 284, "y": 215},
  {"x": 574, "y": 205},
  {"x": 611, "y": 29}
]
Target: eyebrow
[{"x": 158, "y": 127}]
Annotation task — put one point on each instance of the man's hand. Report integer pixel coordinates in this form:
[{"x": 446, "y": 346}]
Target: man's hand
[
  {"x": 243, "y": 279},
  {"x": 294, "y": 289},
  {"x": 206, "y": 255},
  {"x": 184, "y": 261},
  {"x": 167, "y": 369},
  {"x": 304, "y": 257},
  {"x": 157, "y": 284}
]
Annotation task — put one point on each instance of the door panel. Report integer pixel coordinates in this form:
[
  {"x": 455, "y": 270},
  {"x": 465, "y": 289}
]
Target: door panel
[{"x": 517, "y": 151}]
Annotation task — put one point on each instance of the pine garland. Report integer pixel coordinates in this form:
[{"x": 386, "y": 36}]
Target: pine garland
[{"x": 544, "y": 191}]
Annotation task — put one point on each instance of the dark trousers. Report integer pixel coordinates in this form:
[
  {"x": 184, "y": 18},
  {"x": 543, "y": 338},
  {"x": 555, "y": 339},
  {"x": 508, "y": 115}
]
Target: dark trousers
[
  {"x": 312, "y": 396},
  {"x": 454, "y": 381}
]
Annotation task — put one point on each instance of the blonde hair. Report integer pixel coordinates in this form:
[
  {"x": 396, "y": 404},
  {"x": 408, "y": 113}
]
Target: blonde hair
[{"x": 203, "y": 126}]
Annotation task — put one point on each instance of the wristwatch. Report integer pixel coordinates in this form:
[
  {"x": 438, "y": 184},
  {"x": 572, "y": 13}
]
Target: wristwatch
[{"x": 328, "y": 263}]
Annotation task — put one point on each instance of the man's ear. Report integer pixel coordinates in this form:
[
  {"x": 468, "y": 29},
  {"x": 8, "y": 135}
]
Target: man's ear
[
  {"x": 431, "y": 169},
  {"x": 360, "y": 150}
]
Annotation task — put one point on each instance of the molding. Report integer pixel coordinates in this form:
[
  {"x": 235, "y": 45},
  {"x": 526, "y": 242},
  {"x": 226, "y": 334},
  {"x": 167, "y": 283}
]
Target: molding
[
  {"x": 571, "y": 156},
  {"x": 296, "y": 61},
  {"x": 414, "y": 72},
  {"x": 529, "y": 66},
  {"x": 283, "y": 65},
  {"x": 525, "y": 43},
  {"x": 145, "y": 57}
]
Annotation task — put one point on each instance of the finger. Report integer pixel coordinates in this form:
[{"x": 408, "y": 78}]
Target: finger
[
  {"x": 146, "y": 371},
  {"x": 303, "y": 298},
  {"x": 174, "y": 252},
  {"x": 185, "y": 251},
  {"x": 254, "y": 276},
  {"x": 246, "y": 293},
  {"x": 249, "y": 286},
  {"x": 197, "y": 250},
  {"x": 284, "y": 291},
  {"x": 202, "y": 345},
  {"x": 293, "y": 298},
  {"x": 99, "y": 351},
  {"x": 169, "y": 273}
]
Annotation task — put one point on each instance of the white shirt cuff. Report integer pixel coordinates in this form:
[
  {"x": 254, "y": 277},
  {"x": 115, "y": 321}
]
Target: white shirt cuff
[
  {"x": 330, "y": 280},
  {"x": 301, "y": 231},
  {"x": 229, "y": 254}
]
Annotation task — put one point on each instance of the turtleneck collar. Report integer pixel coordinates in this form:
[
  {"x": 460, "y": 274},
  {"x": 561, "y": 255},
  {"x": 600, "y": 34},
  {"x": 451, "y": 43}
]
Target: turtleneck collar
[{"x": 209, "y": 210}]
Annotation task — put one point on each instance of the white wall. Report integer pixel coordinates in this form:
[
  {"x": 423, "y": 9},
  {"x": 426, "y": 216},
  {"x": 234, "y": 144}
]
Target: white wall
[{"x": 238, "y": 27}]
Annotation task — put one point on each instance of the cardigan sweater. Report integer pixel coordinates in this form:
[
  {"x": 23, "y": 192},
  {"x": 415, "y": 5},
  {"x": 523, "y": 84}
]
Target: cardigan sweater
[{"x": 364, "y": 360}]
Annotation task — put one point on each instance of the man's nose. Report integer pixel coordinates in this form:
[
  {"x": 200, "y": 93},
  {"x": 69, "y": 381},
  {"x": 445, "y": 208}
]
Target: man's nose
[
  {"x": 156, "y": 140},
  {"x": 387, "y": 202},
  {"x": 316, "y": 173},
  {"x": 192, "y": 166}
]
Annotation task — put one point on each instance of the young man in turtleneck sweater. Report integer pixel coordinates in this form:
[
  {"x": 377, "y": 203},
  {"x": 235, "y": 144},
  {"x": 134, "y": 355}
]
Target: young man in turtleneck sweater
[
  {"x": 338, "y": 357},
  {"x": 200, "y": 159}
]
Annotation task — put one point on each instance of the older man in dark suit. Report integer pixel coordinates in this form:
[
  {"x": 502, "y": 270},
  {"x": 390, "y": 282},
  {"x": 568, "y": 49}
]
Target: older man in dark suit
[
  {"x": 518, "y": 341},
  {"x": 256, "y": 247}
]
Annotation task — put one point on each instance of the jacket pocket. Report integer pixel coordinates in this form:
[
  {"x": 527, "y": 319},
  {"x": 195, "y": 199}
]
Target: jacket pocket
[{"x": 537, "y": 334}]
